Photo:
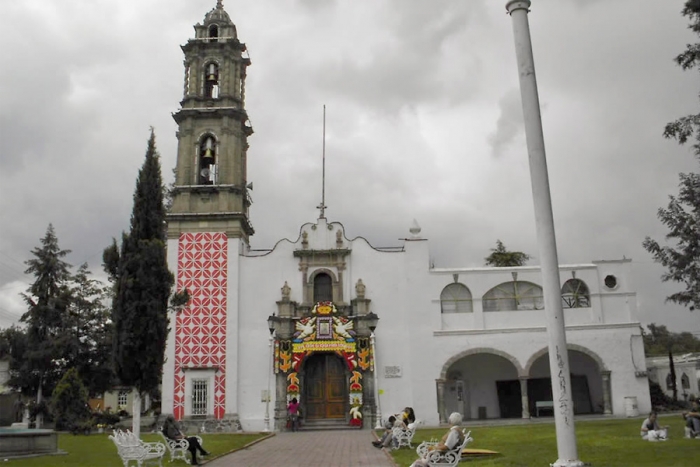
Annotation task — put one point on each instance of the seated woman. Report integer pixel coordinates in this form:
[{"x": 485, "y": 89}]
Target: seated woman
[
  {"x": 650, "y": 424},
  {"x": 453, "y": 438},
  {"x": 409, "y": 416},
  {"x": 171, "y": 430}
]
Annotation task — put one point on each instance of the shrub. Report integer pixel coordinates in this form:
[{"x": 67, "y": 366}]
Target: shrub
[
  {"x": 105, "y": 418},
  {"x": 69, "y": 402},
  {"x": 660, "y": 401}
]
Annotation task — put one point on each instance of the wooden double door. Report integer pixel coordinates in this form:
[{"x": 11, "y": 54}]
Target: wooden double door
[{"x": 325, "y": 387}]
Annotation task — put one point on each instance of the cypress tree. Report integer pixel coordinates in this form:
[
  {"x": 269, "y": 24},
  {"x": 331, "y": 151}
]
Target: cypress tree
[{"x": 142, "y": 284}]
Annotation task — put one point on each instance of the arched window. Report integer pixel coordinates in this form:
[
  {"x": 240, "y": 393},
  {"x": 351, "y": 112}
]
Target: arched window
[
  {"x": 456, "y": 298},
  {"x": 207, "y": 160},
  {"x": 211, "y": 81},
  {"x": 323, "y": 288},
  {"x": 213, "y": 33},
  {"x": 575, "y": 294},
  {"x": 685, "y": 381},
  {"x": 669, "y": 381},
  {"x": 511, "y": 296}
]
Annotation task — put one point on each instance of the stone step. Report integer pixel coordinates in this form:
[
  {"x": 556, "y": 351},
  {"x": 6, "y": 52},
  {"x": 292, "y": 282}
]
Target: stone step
[{"x": 328, "y": 424}]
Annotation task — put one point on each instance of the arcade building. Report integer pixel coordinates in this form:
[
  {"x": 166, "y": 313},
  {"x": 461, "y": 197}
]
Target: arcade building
[{"x": 352, "y": 331}]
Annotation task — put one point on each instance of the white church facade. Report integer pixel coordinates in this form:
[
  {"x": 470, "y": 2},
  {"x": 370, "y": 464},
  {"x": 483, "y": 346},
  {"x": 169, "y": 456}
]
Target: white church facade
[{"x": 348, "y": 329}]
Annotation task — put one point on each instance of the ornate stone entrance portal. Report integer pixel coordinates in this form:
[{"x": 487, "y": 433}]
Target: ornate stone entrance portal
[{"x": 323, "y": 365}]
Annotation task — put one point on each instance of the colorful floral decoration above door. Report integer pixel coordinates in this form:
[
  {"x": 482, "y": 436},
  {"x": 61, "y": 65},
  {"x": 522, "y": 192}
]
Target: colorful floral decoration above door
[{"x": 324, "y": 330}]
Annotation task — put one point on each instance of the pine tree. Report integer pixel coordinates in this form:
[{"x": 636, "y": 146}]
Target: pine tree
[
  {"x": 91, "y": 330},
  {"x": 682, "y": 216},
  {"x": 500, "y": 257},
  {"x": 48, "y": 299},
  {"x": 142, "y": 284}
]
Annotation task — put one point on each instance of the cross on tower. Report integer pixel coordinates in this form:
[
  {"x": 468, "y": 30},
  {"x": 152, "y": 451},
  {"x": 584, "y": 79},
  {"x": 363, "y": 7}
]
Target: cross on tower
[{"x": 323, "y": 206}]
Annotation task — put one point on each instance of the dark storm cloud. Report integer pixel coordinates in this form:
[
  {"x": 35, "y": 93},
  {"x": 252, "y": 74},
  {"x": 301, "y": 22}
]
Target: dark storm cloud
[
  {"x": 408, "y": 62},
  {"x": 509, "y": 124},
  {"x": 419, "y": 97}
]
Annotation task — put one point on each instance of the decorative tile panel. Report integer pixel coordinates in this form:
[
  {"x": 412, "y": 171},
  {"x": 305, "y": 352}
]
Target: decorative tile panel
[{"x": 200, "y": 329}]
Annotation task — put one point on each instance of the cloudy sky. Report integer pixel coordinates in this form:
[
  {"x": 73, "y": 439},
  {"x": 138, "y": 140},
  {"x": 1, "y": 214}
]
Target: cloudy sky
[{"x": 423, "y": 122}]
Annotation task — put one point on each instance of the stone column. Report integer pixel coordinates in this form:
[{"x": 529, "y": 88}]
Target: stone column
[
  {"x": 440, "y": 384},
  {"x": 280, "y": 413},
  {"x": 607, "y": 401},
  {"x": 523, "y": 396}
]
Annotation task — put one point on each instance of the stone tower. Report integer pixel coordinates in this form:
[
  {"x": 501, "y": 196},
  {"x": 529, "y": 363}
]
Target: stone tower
[
  {"x": 211, "y": 188},
  {"x": 208, "y": 227}
]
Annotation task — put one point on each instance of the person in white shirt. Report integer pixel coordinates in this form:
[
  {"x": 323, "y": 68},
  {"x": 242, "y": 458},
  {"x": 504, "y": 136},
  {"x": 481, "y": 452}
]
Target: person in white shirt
[
  {"x": 453, "y": 438},
  {"x": 651, "y": 429}
]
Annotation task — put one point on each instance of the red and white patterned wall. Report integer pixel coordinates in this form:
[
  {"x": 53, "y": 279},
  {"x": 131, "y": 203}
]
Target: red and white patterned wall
[{"x": 200, "y": 329}]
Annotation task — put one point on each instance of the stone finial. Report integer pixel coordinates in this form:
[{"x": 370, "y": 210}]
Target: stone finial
[
  {"x": 360, "y": 289},
  {"x": 286, "y": 291},
  {"x": 339, "y": 239},
  {"x": 415, "y": 229},
  {"x": 305, "y": 239},
  {"x": 219, "y": 4}
]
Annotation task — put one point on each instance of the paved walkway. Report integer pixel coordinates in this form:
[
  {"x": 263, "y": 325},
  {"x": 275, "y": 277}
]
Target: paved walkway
[{"x": 330, "y": 448}]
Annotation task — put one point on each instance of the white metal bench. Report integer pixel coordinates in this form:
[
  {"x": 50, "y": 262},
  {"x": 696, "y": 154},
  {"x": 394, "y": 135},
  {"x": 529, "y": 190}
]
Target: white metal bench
[
  {"x": 178, "y": 447},
  {"x": 445, "y": 458},
  {"x": 403, "y": 436},
  {"x": 130, "y": 448},
  {"x": 543, "y": 405}
]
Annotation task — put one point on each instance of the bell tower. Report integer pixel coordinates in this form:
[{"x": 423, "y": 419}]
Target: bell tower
[
  {"x": 211, "y": 187},
  {"x": 208, "y": 227}
]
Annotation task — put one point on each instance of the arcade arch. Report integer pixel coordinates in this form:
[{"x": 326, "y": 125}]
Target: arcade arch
[
  {"x": 489, "y": 383},
  {"x": 590, "y": 380},
  {"x": 467, "y": 382}
]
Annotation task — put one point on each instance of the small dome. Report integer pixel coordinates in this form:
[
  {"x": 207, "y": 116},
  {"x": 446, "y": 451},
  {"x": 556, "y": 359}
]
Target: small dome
[
  {"x": 415, "y": 229},
  {"x": 217, "y": 15}
]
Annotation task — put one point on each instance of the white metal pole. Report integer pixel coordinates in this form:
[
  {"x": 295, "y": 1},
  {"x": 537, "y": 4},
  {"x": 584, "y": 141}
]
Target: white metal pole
[
  {"x": 267, "y": 398},
  {"x": 376, "y": 381},
  {"x": 544, "y": 222}
]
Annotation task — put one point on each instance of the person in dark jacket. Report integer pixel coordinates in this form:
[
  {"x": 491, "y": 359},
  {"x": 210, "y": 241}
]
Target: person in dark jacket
[{"x": 171, "y": 430}]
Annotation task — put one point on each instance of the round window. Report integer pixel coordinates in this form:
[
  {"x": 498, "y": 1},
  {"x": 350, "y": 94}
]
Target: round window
[{"x": 610, "y": 281}]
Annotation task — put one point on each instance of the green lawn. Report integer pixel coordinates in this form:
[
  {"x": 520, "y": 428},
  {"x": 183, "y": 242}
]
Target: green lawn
[
  {"x": 98, "y": 450},
  {"x": 603, "y": 443}
]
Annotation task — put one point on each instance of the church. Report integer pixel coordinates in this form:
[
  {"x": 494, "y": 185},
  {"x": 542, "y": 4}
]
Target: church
[{"x": 355, "y": 332}]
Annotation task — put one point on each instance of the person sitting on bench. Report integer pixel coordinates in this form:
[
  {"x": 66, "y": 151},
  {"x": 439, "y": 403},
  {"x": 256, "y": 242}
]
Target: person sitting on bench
[
  {"x": 171, "y": 430},
  {"x": 385, "y": 440},
  {"x": 453, "y": 438}
]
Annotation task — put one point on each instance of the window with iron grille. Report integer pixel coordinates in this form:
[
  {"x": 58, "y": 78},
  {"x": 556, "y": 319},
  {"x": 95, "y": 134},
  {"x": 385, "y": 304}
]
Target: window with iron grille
[
  {"x": 511, "y": 296},
  {"x": 456, "y": 298},
  {"x": 199, "y": 396},
  {"x": 575, "y": 294}
]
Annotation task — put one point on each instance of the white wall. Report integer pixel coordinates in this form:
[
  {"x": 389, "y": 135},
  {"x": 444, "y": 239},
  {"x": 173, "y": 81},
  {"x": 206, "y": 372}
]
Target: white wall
[{"x": 415, "y": 336}]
